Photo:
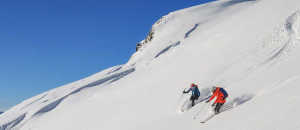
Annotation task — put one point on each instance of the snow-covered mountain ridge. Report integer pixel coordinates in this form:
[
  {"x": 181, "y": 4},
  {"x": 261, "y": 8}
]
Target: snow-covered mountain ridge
[{"x": 249, "y": 47}]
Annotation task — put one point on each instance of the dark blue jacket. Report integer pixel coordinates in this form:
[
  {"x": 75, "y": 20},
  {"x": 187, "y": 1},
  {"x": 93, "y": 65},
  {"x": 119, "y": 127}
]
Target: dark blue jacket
[{"x": 195, "y": 91}]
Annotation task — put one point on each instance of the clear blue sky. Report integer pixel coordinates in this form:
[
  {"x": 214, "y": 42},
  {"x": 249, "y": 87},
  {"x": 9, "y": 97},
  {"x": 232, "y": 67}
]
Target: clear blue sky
[{"x": 48, "y": 43}]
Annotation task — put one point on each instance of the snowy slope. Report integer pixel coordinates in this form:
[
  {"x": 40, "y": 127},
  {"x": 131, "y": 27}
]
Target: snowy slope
[{"x": 249, "y": 47}]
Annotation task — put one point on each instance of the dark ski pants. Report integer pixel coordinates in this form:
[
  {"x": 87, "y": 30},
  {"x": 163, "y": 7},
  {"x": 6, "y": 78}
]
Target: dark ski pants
[
  {"x": 193, "y": 98},
  {"x": 218, "y": 107}
]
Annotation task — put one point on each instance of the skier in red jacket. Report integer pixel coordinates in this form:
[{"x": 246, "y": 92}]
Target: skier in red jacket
[{"x": 221, "y": 95}]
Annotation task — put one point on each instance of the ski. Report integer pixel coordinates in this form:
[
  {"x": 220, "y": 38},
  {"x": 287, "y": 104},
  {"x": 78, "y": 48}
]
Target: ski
[{"x": 208, "y": 118}]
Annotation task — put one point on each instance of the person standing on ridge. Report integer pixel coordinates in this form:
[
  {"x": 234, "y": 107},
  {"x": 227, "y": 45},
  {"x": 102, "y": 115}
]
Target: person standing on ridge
[
  {"x": 221, "y": 95},
  {"x": 195, "y": 93}
]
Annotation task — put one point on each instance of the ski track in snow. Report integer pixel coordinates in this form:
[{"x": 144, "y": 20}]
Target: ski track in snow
[
  {"x": 274, "y": 49},
  {"x": 235, "y": 102},
  {"x": 285, "y": 37}
]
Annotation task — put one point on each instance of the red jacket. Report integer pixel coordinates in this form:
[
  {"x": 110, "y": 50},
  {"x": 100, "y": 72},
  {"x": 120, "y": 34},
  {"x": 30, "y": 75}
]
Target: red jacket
[{"x": 219, "y": 95}]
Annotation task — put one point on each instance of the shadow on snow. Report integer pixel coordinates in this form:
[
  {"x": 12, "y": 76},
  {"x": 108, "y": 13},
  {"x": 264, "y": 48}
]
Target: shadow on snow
[
  {"x": 54, "y": 104},
  {"x": 167, "y": 48}
]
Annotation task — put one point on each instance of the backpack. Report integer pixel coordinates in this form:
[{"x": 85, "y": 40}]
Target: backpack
[
  {"x": 224, "y": 92},
  {"x": 197, "y": 92}
]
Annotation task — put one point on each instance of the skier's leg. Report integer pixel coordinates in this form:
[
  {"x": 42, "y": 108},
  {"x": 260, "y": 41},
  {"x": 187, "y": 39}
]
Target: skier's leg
[
  {"x": 218, "y": 107},
  {"x": 197, "y": 97},
  {"x": 193, "y": 100},
  {"x": 221, "y": 104}
]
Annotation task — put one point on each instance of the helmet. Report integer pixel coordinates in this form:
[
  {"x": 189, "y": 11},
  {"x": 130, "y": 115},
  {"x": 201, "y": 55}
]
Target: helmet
[
  {"x": 192, "y": 85},
  {"x": 213, "y": 89}
]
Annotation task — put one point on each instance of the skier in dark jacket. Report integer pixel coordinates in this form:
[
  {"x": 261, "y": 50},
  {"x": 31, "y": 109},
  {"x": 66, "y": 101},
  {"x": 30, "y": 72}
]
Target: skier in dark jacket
[
  {"x": 195, "y": 93},
  {"x": 221, "y": 95}
]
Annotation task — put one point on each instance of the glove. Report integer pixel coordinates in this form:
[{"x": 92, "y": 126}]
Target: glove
[{"x": 207, "y": 101}]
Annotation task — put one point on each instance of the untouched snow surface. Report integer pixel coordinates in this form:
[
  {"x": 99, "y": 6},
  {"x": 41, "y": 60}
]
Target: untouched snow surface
[{"x": 249, "y": 47}]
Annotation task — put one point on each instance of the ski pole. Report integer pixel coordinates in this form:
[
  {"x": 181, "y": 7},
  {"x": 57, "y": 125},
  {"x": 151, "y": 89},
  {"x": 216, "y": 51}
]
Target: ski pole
[{"x": 182, "y": 94}]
